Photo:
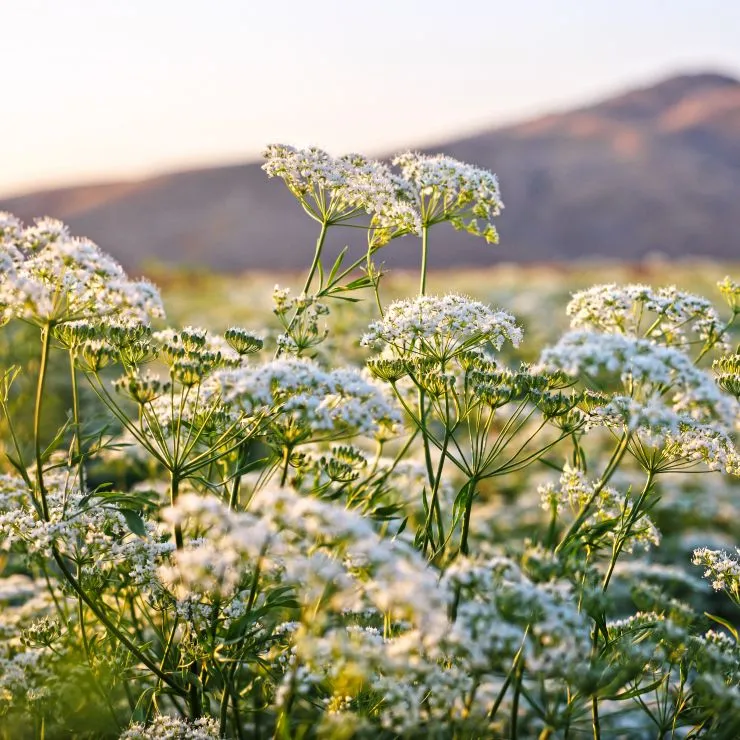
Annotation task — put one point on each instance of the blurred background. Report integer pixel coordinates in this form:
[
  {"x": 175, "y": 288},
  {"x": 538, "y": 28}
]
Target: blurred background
[{"x": 614, "y": 128}]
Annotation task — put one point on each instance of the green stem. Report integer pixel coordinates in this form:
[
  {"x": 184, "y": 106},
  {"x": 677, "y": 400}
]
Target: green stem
[
  {"x": 108, "y": 624},
  {"x": 595, "y": 722},
  {"x": 316, "y": 257},
  {"x": 76, "y": 419},
  {"x": 611, "y": 467},
  {"x": 471, "y": 484},
  {"x": 196, "y": 710},
  {"x": 286, "y": 466},
  {"x": 514, "y": 733},
  {"x": 634, "y": 514},
  {"x": 45, "y": 345},
  {"x": 241, "y": 455},
  {"x": 424, "y": 255},
  {"x": 309, "y": 279},
  {"x": 174, "y": 492}
]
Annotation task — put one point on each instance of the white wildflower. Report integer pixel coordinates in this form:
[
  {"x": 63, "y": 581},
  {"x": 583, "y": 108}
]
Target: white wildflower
[
  {"x": 314, "y": 403},
  {"x": 163, "y": 727},
  {"x": 57, "y": 278},
  {"x": 448, "y": 190},
  {"x": 441, "y": 327},
  {"x": 339, "y": 189},
  {"x": 665, "y": 315}
]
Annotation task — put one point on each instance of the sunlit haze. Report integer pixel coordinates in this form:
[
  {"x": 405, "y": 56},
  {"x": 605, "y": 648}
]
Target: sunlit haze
[{"x": 95, "y": 89}]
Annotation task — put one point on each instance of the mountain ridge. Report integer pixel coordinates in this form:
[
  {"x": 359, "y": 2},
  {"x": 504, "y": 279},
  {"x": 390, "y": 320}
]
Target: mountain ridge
[{"x": 653, "y": 169}]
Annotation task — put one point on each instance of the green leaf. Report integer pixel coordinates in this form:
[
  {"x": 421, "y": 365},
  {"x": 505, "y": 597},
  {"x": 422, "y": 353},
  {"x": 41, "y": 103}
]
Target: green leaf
[
  {"x": 21, "y": 469},
  {"x": 402, "y": 527},
  {"x": 386, "y": 512},
  {"x": 142, "y": 705},
  {"x": 635, "y": 692},
  {"x": 724, "y": 623},
  {"x": 134, "y": 522},
  {"x": 58, "y": 437},
  {"x": 337, "y": 265}
]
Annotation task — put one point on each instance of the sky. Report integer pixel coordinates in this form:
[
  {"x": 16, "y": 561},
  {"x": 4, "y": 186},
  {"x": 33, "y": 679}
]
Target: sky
[{"x": 109, "y": 89}]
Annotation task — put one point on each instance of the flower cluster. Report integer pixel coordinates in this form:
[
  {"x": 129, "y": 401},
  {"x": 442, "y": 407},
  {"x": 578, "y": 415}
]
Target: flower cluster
[
  {"x": 448, "y": 190},
  {"x": 339, "y": 189},
  {"x": 606, "y": 505},
  {"x": 721, "y": 568},
  {"x": 173, "y": 728},
  {"x": 312, "y": 402},
  {"x": 51, "y": 277},
  {"x": 662, "y": 380},
  {"x": 666, "y": 315},
  {"x": 441, "y": 327}
]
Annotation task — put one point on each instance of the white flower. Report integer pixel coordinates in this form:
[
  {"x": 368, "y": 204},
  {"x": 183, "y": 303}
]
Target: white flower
[
  {"x": 448, "y": 190},
  {"x": 315, "y": 402},
  {"x": 441, "y": 327},
  {"x": 721, "y": 568},
  {"x": 662, "y": 380},
  {"x": 574, "y": 491},
  {"x": 81, "y": 525},
  {"x": 53, "y": 277},
  {"x": 163, "y": 727},
  {"x": 339, "y": 189},
  {"x": 665, "y": 315}
]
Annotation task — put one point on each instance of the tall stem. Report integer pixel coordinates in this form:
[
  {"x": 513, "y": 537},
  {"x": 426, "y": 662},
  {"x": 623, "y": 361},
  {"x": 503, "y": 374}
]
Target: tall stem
[
  {"x": 612, "y": 465},
  {"x": 76, "y": 419},
  {"x": 316, "y": 256},
  {"x": 97, "y": 610},
  {"x": 241, "y": 455},
  {"x": 286, "y": 466},
  {"x": 595, "y": 722},
  {"x": 45, "y": 344},
  {"x": 471, "y": 484},
  {"x": 634, "y": 514},
  {"x": 174, "y": 492},
  {"x": 309, "y": 279},
  {"x": 424, "y": 254},
  {"x": 194, "y": 703}
]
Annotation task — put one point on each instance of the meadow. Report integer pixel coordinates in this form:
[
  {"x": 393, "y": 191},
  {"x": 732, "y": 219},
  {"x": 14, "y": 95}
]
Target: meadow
[{"x": 347, "y": 503}]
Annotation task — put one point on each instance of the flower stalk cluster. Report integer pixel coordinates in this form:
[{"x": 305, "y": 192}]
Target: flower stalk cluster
[{"x": 419, "y": 535}]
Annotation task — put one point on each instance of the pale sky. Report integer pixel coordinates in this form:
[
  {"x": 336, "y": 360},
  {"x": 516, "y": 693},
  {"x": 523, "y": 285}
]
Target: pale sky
[{"x": 107, "y": 89}]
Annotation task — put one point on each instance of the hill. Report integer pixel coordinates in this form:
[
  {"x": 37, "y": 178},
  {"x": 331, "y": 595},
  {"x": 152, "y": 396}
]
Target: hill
[{"x": 654, "y": 170}]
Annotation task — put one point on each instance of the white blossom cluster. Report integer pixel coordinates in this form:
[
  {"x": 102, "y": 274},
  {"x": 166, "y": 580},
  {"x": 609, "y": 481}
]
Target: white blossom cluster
[
  {"x": 663, "y": 380},
  {"x": 81, "y": 526},
  {"x": 327, "y": 553},
  {"x": 574, "y": 491},
  {"x": 441, "y": 327},
  {"x": 315, "y": 402},
  {"x": 501, "y": 611},
  {"x": 429, "y": 190},
  {"x": 163, "y": 727},
  {"x": 338, "y": 189},
  {"x": 721, "y": 568},
  {"x": 667, "y": 315},
  {"x": 448, "y": 190},
  {"x": 51, "y": 277}
]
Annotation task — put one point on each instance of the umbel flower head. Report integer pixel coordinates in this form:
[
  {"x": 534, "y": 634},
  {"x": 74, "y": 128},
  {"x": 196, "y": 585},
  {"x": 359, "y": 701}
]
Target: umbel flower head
[
  {"x": 307, "y": 402},
  {"x": 661, "y": 380},
  {"x": 441, "y": 327},
  {"x": 448, "y": 190},
  {"x": 667, "y": 315},
  {"x": 336, "y": 190},
  {"x": 52, "y": 277}
]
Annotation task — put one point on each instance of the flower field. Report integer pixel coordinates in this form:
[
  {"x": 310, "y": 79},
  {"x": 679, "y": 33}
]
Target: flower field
[{"x": 483, "y": 505}]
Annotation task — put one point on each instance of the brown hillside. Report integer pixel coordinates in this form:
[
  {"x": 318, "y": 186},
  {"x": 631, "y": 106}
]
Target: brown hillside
[{"x": 656, "y": 170}]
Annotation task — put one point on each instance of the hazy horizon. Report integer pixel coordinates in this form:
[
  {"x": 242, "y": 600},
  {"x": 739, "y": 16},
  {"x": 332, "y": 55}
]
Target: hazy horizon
[{"x": 105, "y": 93}]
